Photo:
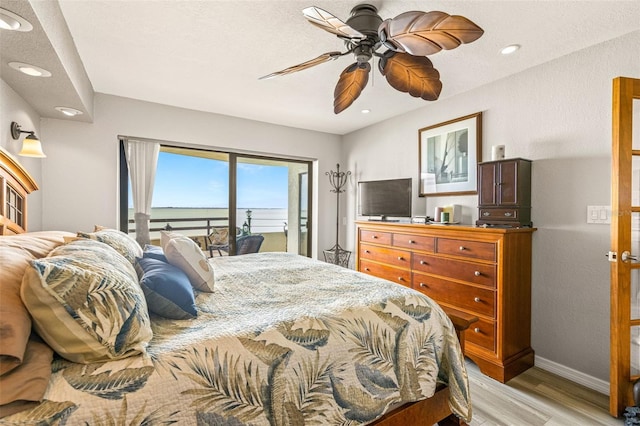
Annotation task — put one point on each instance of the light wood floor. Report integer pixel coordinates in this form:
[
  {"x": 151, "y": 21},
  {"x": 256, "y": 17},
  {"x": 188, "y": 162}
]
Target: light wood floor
[{"x": 536, "y": 397}]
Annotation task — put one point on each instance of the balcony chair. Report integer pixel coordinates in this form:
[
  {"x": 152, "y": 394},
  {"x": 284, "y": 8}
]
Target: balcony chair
[
  {"x": 249, "y": 244},
  {"x": 218, "y": 239}
]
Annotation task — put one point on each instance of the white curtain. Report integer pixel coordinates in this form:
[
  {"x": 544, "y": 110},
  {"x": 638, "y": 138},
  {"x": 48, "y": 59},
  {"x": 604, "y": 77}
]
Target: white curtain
[{"x": 142, "y": 160}]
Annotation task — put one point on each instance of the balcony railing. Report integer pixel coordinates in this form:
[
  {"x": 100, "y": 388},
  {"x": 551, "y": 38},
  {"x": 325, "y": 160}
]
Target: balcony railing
[
  {"x": 197, "y": 228},
  {"x": 200, "y": 224}
]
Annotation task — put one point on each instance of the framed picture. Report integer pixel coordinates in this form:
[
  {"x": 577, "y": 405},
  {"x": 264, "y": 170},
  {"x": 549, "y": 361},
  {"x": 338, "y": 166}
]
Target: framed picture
[{"x": 449, "y": 154}]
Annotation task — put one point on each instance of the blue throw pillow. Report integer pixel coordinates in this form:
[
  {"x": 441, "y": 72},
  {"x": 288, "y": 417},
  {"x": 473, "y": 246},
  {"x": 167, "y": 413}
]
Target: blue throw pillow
[
  {"x": 167, "y": 289},
  {"x": 154, "y": 252}
]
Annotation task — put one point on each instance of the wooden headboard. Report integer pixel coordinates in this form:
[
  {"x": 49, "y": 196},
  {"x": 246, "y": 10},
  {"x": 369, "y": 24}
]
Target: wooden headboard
[{"x": 15, "y": 184}]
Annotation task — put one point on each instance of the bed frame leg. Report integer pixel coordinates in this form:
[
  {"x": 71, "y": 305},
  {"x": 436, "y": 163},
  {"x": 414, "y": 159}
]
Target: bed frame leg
[{"x": 451, "y": 420}]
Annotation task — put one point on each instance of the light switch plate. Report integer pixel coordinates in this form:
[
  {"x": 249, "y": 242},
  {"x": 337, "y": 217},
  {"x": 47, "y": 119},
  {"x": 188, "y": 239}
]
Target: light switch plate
[{"x": 599, "y": 214}]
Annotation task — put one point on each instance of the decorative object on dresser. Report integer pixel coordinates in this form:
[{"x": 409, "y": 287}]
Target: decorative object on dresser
[
  {"x": 336, "y": 254},
  {"x": 448, "y": 154},
  {"x": 484, "y": 272},
  {"x": 504, "y": 194}
]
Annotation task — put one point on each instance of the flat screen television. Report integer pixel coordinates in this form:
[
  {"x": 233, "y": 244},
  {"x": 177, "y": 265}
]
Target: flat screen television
[{"x": 385, "y": 198}]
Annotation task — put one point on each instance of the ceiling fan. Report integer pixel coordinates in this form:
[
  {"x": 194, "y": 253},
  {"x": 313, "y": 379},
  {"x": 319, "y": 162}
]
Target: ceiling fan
[{"x": 409, "y": 37}]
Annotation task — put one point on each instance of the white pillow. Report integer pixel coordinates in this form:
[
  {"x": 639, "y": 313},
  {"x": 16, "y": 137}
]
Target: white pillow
[{"x": 183, "y": 252}]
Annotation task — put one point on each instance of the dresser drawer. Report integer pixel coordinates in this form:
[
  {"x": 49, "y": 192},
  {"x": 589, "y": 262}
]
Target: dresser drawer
[
  {"x": 477, "y": 273},
  {"x": 397, "y": 275},
  {"x": 501, "y": 214},
  {"x": 474, "y": 299},
  {"x": 482, "y": 333},
  {"x": 415, "y": 242},
  {"x": 368, "y": 236},
  {"x": 466, "y": 248},
  {"x": 387, "y": 255}
]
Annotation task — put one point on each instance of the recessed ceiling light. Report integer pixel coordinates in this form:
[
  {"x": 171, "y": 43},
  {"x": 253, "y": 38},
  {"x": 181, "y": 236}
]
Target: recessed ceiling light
[
  {"x": 12, "y": 22},
  {"x": 71, "y": 112},
  {"x": 510, "y": 49},
  {"x": 365, "y": 111},
  {"x": 28, "y": 69}
]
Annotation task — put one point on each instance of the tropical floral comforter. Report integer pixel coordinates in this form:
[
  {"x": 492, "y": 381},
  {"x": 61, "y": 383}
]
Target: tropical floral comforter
[{"x": 283, "y": 340}]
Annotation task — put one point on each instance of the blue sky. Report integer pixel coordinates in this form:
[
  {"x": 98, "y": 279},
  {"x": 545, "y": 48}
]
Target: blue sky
[{"x": 184, "y": 181}]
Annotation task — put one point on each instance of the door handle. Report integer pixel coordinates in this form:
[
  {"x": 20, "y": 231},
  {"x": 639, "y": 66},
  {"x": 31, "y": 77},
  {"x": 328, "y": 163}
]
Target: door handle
[{"x": 627, "y": 256}]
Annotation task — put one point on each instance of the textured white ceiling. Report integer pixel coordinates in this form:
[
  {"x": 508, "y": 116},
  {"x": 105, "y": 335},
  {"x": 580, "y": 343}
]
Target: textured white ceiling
[{"x": 207, "y": 55}]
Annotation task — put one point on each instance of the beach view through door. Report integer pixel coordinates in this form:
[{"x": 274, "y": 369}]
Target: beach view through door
[{"x": 218, "y": 199}]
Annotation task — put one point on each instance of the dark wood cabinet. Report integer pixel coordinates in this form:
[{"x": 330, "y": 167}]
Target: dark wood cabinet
[
  {"x": 483, "y": 272},
  {"x": 504, "y": 193}
]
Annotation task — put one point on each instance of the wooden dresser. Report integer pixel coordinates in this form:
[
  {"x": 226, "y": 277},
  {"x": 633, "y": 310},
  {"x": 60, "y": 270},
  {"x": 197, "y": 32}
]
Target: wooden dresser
[{"x": 485, "y": 272}]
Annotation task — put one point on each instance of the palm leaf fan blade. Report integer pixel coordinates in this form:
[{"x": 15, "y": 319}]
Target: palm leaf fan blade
[
  {"x": 411, "y": 74},
  {"x": 352, "y": 81},
  {"x": 426, "y": 33},
  {"x": 325, "y": 20},
  {"x": 325, "y": 57}
]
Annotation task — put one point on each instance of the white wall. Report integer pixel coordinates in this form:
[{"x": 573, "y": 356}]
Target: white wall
[
  {"x": 14, "y": 108},
  {"x": 558, "y": 115},
  {"x": 80, "y": 175}
]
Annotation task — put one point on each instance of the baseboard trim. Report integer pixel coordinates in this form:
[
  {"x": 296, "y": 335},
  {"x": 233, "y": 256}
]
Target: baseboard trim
[{"x": 575, "y": 376}]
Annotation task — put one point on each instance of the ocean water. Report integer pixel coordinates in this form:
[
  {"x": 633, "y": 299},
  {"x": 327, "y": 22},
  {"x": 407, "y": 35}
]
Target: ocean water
[{"x": 262, "y": 220}]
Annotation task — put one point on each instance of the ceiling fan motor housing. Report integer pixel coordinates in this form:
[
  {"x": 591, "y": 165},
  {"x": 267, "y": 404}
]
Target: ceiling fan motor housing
[{"x": 365, "y": 18}]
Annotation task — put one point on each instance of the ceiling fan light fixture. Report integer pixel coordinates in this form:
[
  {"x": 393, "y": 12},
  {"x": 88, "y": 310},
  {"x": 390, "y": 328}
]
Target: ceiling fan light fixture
[
  {"x": 12, "y": 22},
  {"x": 508, "y": 50},
  {"x": 29, "y": 69}
]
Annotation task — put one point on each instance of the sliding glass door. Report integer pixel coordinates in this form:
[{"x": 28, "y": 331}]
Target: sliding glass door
[
  {"x": 269, "y": 204},
  {"x": 228, "y": 203}
]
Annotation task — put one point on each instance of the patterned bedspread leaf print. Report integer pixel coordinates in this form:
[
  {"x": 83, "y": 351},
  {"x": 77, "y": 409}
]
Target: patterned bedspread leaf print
[
  {"x": 414, "y": 307},
  {"x": 309, "y": 339},
  {"x": 312, "y": 387},
  {"x": 108, "y": 384},
  {"x": 374, "y": 344},
  {"x": 375, "y": 382},
  {"x": 123, "y": 416},
  {"x": 425, "y": 353},
  {"x": 359, "y": 405},
  {"x": 225, "y": 383},
  {"x": 47, "y": 413}
]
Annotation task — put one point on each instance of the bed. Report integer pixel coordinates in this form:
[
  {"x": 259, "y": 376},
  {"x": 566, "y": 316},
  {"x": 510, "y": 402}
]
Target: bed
[{"x": 265, "y": 339}]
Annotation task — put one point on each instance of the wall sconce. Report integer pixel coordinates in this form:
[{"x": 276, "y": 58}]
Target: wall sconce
[{"x": 31, "y": 146}]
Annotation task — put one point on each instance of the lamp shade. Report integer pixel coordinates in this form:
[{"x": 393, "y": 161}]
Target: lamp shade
[{"x": 31, "y": 147}]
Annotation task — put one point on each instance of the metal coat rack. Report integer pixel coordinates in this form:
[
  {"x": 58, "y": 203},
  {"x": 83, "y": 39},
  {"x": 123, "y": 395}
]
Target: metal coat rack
[{"x": 336, "y": 254}]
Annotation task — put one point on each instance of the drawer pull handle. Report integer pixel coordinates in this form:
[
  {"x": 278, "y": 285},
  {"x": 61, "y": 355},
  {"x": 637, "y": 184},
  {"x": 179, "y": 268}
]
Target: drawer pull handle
[
  {"x": 507, "y": 214},
  {"x": 462, "y": 248},
  {"x": 411, "y": 242},
  {"x": 400, "y": 279},
  {"x": 486, "y": 214},
  {"x": 400, "y": 258},
  {"x": 477, "y": 299},
  {"x": 422, "y": 262},
  {"x": 366, "y": 269},
  {"x": 476, "y": 330},
  {"x": 477, "y": 273},
  {"x": 367, "y": 251},
  {"x": 423, "y": 285},
  {"x": 374, "y": 236}
]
